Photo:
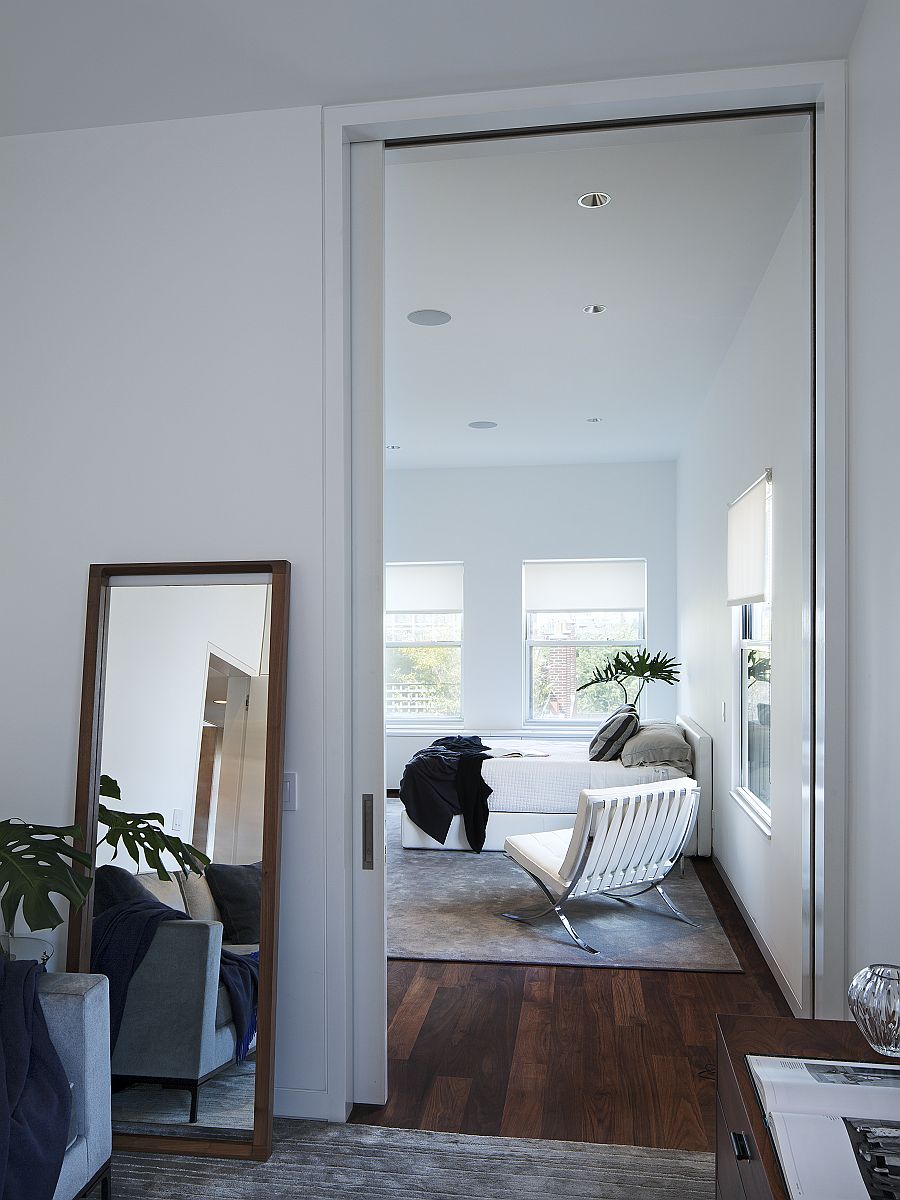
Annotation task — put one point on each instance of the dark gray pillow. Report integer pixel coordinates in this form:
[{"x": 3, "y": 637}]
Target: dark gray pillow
[
  {"x": 115, "y": 885},
  {"x": 236, "y": 893},
  {"x": 612, "y": 736},
  {"x": 655, "y": 743}
]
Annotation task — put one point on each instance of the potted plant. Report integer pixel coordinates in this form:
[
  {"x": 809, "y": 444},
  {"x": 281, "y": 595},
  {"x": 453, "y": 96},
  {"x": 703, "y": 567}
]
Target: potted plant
[
  {"x": 38, "y": 861},
  {"x": 640, "y": 664}
]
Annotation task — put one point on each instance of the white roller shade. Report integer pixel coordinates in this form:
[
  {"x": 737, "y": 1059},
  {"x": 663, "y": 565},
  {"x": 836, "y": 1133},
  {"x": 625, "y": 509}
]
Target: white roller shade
[
  {"x": 423, "y": 587},
  {"x": 747, "y": 549},
  {"x": 616, "y": 584}
]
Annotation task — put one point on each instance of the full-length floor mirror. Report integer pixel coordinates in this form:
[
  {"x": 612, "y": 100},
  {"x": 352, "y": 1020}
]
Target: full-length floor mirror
[{"x": 179, "y": 799}]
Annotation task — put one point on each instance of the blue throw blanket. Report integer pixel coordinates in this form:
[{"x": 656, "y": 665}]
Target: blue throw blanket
[
  {"x": 121, "y": 937},
  {"x": 35, "y": 1099}
]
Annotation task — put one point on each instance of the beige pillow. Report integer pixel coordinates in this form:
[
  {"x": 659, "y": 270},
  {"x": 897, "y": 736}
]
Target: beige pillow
[
  {"x": 166, "y": 891},
  {"x": 198, "y": 898}
]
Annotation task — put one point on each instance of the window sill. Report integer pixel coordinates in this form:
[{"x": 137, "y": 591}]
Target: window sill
[{"x": 760, "y": 814}]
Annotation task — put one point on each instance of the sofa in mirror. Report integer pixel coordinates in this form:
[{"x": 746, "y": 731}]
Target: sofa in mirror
[{"x": 179, "y": 799}]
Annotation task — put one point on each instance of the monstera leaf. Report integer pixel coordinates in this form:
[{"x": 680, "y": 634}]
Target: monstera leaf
[
  {"x": 656, "y": 668},
  {"x": 136, "y": 832},
  {"x": 36, "y": 862}
]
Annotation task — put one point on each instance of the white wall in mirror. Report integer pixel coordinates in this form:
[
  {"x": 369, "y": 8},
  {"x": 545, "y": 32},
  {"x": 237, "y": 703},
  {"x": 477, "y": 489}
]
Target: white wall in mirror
[{"x": 159, "y": 641}]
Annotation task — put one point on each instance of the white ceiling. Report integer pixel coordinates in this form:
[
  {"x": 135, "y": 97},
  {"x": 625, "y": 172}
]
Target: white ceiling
[
  {"x": 68, "y": 64},
  {"x": 492, "y": 233}
]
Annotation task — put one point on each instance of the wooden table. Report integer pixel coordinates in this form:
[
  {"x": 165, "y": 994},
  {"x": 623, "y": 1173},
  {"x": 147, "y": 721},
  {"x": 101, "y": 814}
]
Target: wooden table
[{"x": 747, "y": 1166}]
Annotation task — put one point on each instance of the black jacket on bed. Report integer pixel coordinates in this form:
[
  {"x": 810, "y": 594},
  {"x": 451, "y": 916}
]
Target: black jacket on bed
[{"x": 444, "y": 781}]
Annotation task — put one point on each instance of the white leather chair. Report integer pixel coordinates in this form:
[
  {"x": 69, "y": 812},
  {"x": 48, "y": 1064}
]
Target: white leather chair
[{"x": 625, "y": 842}]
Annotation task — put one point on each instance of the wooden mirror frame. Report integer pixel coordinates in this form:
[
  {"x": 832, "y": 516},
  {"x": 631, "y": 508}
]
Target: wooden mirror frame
[{"x": 86, "y": 805}]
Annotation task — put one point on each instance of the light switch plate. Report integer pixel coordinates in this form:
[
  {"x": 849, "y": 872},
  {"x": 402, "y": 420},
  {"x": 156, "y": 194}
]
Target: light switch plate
[
  {"x": 289, "y": 791},
  {"x": 177, "y": 819}
]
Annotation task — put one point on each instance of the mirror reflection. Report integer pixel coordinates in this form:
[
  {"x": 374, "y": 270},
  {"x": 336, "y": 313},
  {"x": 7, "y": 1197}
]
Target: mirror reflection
[{"x": 176, "y": 924}]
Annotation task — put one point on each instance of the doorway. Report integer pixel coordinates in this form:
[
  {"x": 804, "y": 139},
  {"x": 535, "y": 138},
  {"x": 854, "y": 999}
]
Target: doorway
[{"x": 372, "y": 215}]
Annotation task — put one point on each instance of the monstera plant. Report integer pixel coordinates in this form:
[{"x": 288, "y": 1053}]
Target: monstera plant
[
  {"x": 39, "y": 861},
  {"x": 625, "y": 664}
]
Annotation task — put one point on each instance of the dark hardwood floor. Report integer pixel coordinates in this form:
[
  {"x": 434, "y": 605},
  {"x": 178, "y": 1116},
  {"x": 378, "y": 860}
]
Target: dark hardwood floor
[{"x": 590, "y": 1055}]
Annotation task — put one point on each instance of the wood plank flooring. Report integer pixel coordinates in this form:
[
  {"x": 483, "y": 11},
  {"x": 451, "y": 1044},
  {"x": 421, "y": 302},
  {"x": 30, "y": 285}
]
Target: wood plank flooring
[{"x": 592, "y": 1055}]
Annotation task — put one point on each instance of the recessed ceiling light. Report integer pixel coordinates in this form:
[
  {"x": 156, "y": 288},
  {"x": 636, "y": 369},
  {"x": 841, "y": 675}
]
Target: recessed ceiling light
[
  {"x": 593, "y": 309},
  {"x": 220, "y": 701},
  {"x": 482, "y": 424},
  {"x": 593, "y": 200},
  {"x": 428, "y": 316},
  {"x": 391, "y": 446},
  {"x": 593, "y": 420}
]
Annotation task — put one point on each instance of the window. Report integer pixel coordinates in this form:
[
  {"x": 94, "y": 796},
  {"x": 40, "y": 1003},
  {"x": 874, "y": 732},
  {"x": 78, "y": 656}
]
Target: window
[
  {"x": 423, "y": 641},
  {"x": 756, "y": 730},
  {"x": 749, "y": 593},
  {"x": 578, "y": 614}
]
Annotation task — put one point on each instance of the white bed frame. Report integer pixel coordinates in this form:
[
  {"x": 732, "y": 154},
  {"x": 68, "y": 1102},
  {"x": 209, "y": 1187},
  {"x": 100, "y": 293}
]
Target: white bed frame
[{"x": 502, "y": 825}]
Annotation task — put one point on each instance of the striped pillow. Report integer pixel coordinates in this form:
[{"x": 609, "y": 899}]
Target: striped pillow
[{"x": 611, "y": 737}]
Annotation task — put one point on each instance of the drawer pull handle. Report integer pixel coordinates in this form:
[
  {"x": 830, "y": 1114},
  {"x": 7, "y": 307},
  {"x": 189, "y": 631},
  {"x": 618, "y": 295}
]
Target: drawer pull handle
[{"x": 740, "y": 1143}]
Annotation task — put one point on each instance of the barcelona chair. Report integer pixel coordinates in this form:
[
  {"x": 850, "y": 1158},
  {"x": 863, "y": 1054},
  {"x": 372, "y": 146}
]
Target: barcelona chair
[{"x": 624, "y": 843}]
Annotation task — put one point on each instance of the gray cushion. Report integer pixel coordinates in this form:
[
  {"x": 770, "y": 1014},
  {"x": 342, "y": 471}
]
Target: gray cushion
[
  {"x": 236, "y": 891},
  {"x": 657, "y": 742},
  {"x": 114, "y": 885},
  {"x": 612, "y": 736}
]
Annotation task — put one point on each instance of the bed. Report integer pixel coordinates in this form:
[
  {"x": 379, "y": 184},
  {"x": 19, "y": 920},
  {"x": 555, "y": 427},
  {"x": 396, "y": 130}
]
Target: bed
[{"x": 537, "y": 794}]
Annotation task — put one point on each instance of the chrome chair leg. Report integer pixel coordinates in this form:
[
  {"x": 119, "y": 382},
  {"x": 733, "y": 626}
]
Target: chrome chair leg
[
  {"x": 676, "y": 910},
  {"x": 555, "y": 906}
]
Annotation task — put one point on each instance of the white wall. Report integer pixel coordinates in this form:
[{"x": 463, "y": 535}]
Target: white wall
[
  {"x": 874, "y": 510},
  {"x": 756, "y": 416},
  {"x": 157, "y": 662},
  {"x": 161, "y": 321},
  {"x": 492, "y": 520}
]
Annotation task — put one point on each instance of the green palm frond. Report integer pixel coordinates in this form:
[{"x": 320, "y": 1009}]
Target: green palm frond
[{"x": 641, "y": 665}]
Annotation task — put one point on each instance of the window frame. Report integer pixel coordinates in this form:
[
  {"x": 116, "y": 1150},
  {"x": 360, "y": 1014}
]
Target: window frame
[
  {"x": 393, "y": 720},
  {"x": 587, "y": 722}
]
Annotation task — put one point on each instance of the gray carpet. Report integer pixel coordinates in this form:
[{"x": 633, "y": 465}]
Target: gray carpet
[
  {"x": 443, "y": 905},
  {"x": 313, "y": 1160},
  {"x": 226, "y": 1106}
]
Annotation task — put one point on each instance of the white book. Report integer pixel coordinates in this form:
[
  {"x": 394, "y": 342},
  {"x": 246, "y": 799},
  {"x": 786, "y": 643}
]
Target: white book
[{"x": 835, "y": 1125}]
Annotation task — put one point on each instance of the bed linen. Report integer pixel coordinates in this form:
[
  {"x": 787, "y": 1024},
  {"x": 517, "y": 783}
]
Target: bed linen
[{"x": 552, "y": 784}]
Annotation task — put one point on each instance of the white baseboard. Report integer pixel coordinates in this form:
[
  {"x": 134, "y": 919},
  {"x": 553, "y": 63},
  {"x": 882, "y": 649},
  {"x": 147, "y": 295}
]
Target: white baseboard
[{"x": 786, "y": 989}]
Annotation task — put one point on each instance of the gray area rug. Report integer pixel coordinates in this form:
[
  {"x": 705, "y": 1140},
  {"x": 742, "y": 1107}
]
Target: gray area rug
[
  {"x": 225, "y": 1110},
  {"x": 444, "y": 905},
  {"x": 314, "y": 1160}
]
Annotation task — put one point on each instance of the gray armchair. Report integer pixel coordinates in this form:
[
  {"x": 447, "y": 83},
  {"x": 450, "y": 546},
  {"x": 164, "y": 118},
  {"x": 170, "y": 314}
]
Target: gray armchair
[
  {"x": 76, "y": 1008},
  {"x": 177, "y": 1027}
]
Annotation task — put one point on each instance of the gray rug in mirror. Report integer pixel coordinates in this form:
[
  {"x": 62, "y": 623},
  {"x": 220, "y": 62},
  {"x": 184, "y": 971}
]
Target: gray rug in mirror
[
  {"x": 444, "y": 905},
  {"x": 225, "y": 1109},
  {"x": 327, "y": 1162}
]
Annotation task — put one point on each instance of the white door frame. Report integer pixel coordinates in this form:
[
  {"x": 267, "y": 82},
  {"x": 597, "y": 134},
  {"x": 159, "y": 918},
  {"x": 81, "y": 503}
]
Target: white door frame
[{"x": 353, "y": 1037}]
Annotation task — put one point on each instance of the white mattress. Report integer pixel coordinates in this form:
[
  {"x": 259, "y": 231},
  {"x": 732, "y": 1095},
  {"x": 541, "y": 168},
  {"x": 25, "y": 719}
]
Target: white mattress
[{"x": 553, "y": 784}]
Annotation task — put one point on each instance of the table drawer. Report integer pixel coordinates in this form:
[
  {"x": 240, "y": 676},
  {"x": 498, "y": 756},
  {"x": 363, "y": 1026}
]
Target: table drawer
[{"x": 728, "y": 1175}]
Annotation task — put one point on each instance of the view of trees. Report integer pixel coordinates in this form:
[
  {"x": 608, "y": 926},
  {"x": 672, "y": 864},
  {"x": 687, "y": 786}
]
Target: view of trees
[{"x": 423, "y": 681}]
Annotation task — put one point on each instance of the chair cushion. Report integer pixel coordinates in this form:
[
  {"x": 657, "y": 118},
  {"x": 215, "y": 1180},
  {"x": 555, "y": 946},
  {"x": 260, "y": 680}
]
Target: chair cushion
[
  {"x": 236, "y": 891},
  {"x": 614, "y": 733},
  {"x": 542, "y": 854}
]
